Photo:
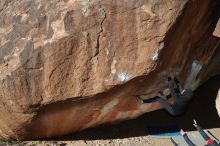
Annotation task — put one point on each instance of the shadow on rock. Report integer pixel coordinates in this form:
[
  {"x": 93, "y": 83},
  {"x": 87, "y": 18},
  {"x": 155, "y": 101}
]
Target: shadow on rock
[{"x": 202, "y": 109}]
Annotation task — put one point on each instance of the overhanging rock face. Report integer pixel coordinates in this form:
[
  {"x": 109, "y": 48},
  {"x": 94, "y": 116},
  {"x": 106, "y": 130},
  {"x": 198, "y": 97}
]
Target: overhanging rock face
[{"x": 71, "y": 64}]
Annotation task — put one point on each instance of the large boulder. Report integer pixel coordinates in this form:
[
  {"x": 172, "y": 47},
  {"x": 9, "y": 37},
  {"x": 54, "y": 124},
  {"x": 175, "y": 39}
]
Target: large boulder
[
  {"x": 66, "y": 65},
  {"x": 218, "y": 103}
]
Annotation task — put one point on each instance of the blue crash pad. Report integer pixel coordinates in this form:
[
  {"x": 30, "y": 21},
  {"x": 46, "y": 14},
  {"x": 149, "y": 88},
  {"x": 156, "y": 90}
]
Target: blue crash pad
[{"x": 163, "y": 131}]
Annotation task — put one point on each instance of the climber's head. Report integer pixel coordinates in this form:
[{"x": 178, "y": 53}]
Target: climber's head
[{"x": 166, "y": 92}]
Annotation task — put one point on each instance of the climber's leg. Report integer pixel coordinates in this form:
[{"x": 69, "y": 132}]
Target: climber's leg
[
  {"x": 167, "y": 106},
  {"x": 150, "y": 100}
]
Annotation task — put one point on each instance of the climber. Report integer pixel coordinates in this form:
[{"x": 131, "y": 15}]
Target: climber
[{"x": 181, "y": 98}]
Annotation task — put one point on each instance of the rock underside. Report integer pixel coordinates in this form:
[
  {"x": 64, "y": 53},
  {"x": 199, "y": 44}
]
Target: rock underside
[{"x": 67, "y": 65}]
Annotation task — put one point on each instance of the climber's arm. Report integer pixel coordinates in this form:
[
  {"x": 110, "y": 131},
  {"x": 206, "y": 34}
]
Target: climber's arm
[{"x": 150, "y": 100}]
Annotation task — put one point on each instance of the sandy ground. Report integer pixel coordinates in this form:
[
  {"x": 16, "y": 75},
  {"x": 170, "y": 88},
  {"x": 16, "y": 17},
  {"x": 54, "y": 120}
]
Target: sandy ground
[
  {"x": 134, "y": 141},
  {"x": 133, "y": 132}
]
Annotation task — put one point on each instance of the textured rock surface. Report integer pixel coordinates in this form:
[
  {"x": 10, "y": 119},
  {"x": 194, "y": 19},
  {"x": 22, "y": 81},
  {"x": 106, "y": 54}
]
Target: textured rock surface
[
  {"x": 67, "y": 65},
  {"x": 218, "y": 103},
  {"x": 217, "y": 29}
]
